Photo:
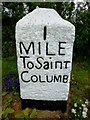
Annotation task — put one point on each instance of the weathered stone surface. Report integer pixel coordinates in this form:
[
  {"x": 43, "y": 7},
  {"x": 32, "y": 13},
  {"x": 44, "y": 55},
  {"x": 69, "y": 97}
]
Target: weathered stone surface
[{"x": 44, "y": 43}]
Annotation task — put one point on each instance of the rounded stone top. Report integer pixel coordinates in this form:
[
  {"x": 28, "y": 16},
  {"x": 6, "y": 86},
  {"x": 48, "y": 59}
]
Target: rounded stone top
[{"x": 43, "y": 16}]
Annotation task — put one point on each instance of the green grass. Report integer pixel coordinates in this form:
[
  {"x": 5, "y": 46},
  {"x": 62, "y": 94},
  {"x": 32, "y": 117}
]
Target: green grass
[
  {"x": 80, "y": 83},
  {"x": 9, "y": 66}
]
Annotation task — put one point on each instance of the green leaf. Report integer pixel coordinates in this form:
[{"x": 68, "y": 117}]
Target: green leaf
[
  {"x": 20, "y": 116},
  {"x": 7, "y": 111},
  {"x": 4, "y": 113},
  {"x": 4, "y": 93},
  {"x": 15, "y": 93},
  {"x": 26, "y": 111},
  {"x": 33, "y": 114}
]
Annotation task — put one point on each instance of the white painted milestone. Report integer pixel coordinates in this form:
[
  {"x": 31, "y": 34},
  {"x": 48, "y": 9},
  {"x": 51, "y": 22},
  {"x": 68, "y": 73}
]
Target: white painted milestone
[{"x": 44, "y": 43}]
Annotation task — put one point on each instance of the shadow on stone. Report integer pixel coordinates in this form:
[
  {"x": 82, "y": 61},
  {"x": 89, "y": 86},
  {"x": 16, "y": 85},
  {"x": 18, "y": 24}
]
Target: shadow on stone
[{"x": 45, "y": 105}]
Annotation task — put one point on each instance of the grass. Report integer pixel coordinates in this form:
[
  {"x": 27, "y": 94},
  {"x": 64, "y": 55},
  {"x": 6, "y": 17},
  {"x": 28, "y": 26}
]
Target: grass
[
  {"x": 80, "y": 83},
  {"x": 9, "y": 66}
]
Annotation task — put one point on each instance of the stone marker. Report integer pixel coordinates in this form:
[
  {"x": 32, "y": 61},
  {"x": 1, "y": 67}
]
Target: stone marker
[{"x": 44, "y": 43}]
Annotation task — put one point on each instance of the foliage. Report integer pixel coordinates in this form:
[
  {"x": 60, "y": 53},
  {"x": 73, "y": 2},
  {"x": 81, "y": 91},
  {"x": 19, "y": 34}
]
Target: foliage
[
  {"x": 79, "y": 76},
  {"x": 79, "y": 97},
  {"x": 6, "y": 104},
  {"x": 19, "y": 115},
  {"x": 11, "y": 83},
  {"x": 11, "y": 13},
  {"x": 9, "y": 66},
  {"x": 79, "y": 110},
  {"x": 25, "y": 114},
  {"x": 79, "y": 16},
  {"x": 4, "y": 93},
  {"x": 6, "y": 112},
  {"x": 33, "y": 114},
  {"x": 82, "y": 30},
  {"x": 8, "y": 100}
]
